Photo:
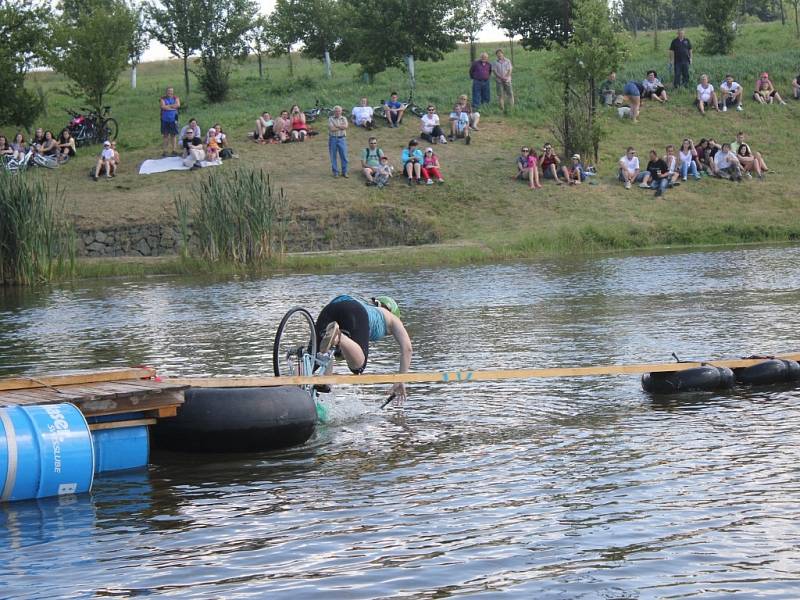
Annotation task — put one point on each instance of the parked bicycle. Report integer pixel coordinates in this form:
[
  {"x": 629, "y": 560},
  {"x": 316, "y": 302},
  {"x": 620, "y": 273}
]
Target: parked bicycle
[
  {"x": 89, "y": 127},
  {"x": 409, "y": 105},
  {"x": 317, "y": 111},
  {"x": 29, "y": 159}
]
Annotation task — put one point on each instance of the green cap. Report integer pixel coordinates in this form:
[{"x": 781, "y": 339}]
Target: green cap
[{"x": 389, "y": 304}]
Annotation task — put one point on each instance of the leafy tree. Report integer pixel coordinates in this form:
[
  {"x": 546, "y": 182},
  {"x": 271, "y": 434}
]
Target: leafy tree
[
  {"x": 595, "y": 49},
  {"x": 379, "y": 35},
  {"x": 717, "y": 19},
  {"x": 175, "y": 26},
  {"x": 540, "y": 23},
  {"x": 92, "y": 49},
  {"x": 261, "y": 41},
  {"x": 139, "y": 42},
  {"x": 223, "y": 29},
  {"x": 23, "y": 27},
  {"x": 471, "y": 16},
  {"x": 286, "y": 28}
]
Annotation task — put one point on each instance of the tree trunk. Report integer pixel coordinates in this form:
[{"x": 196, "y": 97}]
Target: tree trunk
[
  {"x": 472, "y": 49},
  {"x": 783, "y": 14},
  {"x": 326, "y": 58},
  {"x": 289, "y": 58},
  {"x": 186, "y": 73},
  {"x": 260, "y": 67},
  {"x": 511, "y": 46},
  {"x": 593, "y": 116},
  {"x": 567, "y": 129},
  {"x": 412, "y": 79},
  {"x": 133, "y": 77}
]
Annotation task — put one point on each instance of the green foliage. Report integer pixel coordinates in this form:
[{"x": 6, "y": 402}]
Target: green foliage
[
  {"x": 540, "y": 23},
  {"x": 321, "y": 23},
  {"x": 140, "y": 39},
  {"x": 717, "y": 17},
  {"x": 175, "y": 26},
  {"x": 37, "y": 242},
  {"x": 92, "y": 50},
  {"x": 380, "y": 35},
  {"x": 240, "y": 218}
]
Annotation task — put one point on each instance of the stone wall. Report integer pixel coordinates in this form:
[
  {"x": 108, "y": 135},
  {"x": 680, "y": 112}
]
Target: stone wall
[{"x": 138, "y": 240}]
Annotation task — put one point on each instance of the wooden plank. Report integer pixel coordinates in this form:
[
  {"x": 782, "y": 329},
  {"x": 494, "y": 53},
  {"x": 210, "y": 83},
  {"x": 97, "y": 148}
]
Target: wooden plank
[
  {"x": 466, "y": 375},
  {"x": 40, "y": 395},
  {"x": 54, "y": 379},
  {"x": 120, "y": 424},
  {"x": 167, "y": 411},
  {"x": 112, "y": 406}
]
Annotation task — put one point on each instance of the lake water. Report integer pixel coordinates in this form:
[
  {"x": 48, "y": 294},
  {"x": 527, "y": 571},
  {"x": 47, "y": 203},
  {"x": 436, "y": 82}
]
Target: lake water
[{"x": 573, "y": 488}]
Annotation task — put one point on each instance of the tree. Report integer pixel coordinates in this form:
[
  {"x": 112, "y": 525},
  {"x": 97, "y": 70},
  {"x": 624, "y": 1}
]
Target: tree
[
  {"x": 176, "y": 28},
  {"x": 540, "y": 23},
  {"x": 92, "y": 49},
  {"x": 717, "y": 19},
  {"x": 381, "y": 35},
  {"x": 139, "y": 42},
  {"x": 471, "y": 16},
  {"x": 595, "y": 48},
  {"x": 320, "y": 28},
  {"x": 23, "y": 27},
  {"x": 286, "y": 28},
  {"x": 261, "y": 41},
  {"x": 223, "y": 26}
]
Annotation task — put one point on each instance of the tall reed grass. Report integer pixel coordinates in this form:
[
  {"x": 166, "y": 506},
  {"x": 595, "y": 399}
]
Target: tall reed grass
[
  {"x": 239, "y": 217},
  {"x": 37, "y": 240}
]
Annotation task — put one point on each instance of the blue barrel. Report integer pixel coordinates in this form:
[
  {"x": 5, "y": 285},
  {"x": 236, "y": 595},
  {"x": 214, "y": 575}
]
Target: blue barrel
[
  {"x": 121, "y": 449},
  {"x": 44, "y": 451}
]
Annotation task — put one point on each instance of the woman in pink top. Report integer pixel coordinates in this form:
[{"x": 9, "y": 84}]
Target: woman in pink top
[
  {"x": 765, "y": 92},
  {"x": 528, "y": 168}
]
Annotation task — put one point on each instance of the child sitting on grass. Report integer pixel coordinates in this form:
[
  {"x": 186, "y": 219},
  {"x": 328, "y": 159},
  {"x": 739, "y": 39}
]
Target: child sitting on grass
[
  {"x": 212, "y": 146},
  {"x": 383, "y": 172},
  {"x": 574, "y": 173},
  {"x": 528, "y": 168},
  {"x": 430, "y": 167}
]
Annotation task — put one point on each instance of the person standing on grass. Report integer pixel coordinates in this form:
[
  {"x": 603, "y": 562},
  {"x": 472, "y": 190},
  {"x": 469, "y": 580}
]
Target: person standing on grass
[
  {"x": 337, "y": 140},
  {"x": 481, "y": 72},
  {"x": 170, "y": 104},
  {"x": 502, "y": 78},
  {"x": 680, "y": 57}
]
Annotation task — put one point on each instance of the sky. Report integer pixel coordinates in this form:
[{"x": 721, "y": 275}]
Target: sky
[{"x": 158, "y": 52}]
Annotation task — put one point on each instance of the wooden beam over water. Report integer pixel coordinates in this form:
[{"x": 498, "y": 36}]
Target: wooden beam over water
[
  {"x": 77, "y": 377},
  {"x": 465, "y": 375}
]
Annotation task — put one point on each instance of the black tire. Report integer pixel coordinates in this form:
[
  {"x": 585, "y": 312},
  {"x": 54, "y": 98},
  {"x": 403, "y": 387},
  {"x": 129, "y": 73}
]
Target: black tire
[
  {"x": 296, "y": 333},
  {"x": 239, "y": 420},
  {"x": 311, "y": 116},
  {"x": 109, "y": 130},
  {"x": 769, "y": 372},
  {"x": 416, "y": 110},
  {"x": 379, "y": 111},
  {"x": 699, "y": 379}
]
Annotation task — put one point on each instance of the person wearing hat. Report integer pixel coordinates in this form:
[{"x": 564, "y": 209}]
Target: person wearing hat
[
  {"x": 105, "y": 162},
  {"x": 765, "y": 92},
  {"x": 348, "y": 323},
  {"x": 430, "y": 167},
  {"x": 383, "y": 172},
  {"x": 574, "y": 173}
]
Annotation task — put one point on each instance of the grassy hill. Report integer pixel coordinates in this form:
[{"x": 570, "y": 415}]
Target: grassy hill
[{"x": 479, "y": 204}]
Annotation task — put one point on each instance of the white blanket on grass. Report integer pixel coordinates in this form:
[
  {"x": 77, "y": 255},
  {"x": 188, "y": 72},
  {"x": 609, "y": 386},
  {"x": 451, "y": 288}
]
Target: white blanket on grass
[{"x": 170, "y": 163}]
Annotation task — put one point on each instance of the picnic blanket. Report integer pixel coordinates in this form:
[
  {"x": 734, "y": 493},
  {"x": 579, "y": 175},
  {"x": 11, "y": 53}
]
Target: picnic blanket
[{"x": 170, "y": 163}]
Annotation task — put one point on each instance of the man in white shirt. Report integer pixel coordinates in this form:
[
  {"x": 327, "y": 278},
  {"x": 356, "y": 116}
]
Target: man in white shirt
[
  {"x": 727, "y": 164},
  {"x": 706, "y": 96},
  {"x": 361, "y": 115},
  {"x": 629, "y": 172},
  {"x": 731, "y": 93}
]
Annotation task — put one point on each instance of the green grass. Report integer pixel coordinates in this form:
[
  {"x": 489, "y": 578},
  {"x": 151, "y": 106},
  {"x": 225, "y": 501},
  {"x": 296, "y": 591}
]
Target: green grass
[{"x": 481, "y": 209}]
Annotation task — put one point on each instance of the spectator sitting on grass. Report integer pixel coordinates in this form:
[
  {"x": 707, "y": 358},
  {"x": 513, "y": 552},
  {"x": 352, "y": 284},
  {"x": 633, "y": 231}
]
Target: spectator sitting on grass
[
  {"x": 431, "y": 130},
  {"x": 796, "y": 88},
  {"x": 727, "y": 164},
  {"x": 609, "y": 92},
  {"x": 212, "y": 146},
  {"x": 362, "y": 115},
  {"x": 765, "y": 92},
  {"x": 430, "y": 167},
  {"x": 38, "y": 139},
  {"x": 706, "y": 96},
  {"x": 657, "y": 177},
  {"x": 671, "y": 160},
  {"x": 6, "y": 151},
  {"x": 653, "y": 88},
  {"x": 117, "y": 159},
  {"x": 528, "y": 168},
  {"x": 629, "y": 172},
  {"x": 688, "y": 159},
  {"x": 66, "y": 145},
  {"x": 459, "y": 124},
  {"x": 474, "y": 115},
  {"x": 283, "y": 127},
  {"x": 731, "y": 93},
  {"x": 550, "y": 163},
  {"x": 19, "y": 146},
  {"x": 194, "y": 153},
  {"x": 394, "y": 110},
  {"x": 49, "y": 146},
  {"x": 383, "y": 172},
  {"x": 264, "y": 129},
  {"x": 105, "y": 162},
  {"x": 412, "y": 162},
  {"x": 188, "y": 132},
  {"x": 756, "y": 155},
  {"x": 299, "y": 127},
  {"x": 574, "y": 174},
  {"x": 371, "y": 160}
]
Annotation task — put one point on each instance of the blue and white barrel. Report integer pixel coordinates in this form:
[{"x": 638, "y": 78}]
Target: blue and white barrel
[{"x": 44, "y": 451}]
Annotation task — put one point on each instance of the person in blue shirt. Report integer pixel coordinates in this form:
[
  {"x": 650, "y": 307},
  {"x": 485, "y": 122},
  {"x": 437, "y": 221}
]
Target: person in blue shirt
[
  {"x": 170, "y": 104},
  {"x": 459, "y": 124},
  {"x": 412, "y": 159},
  {"x": 394, "y": 110},
  {"x": 349, "y": 323}
]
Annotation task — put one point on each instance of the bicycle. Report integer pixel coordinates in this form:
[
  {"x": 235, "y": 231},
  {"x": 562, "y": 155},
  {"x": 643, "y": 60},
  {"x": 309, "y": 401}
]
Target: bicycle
[
  {"x": 409, "y": 105},
  {"x": 90, "y": 127},
  {"x": 317, "y": 111},
  {"x": 15, "y": 165}
]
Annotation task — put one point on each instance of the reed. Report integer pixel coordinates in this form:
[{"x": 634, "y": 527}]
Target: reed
[
  {"x": 37, "y": 240},
  {"x": 239, "y": 218}
]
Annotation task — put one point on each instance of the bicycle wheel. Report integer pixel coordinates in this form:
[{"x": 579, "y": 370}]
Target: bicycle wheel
[
  {"x": 379, "y": 111},
  {"x": 49, "y": 162},
  {"x": 416, "y": 110},
  {"x": 109, "y": 130},
  {"x": 296, "y": 335},
  {"x": 311, "y": 116}
]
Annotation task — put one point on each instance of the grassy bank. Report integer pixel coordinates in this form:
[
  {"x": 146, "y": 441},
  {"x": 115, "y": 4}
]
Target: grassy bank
[{"x": 481, "y": 214}]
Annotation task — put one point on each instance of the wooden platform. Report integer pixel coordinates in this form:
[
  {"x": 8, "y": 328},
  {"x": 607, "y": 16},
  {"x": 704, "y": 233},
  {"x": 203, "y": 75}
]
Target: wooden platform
[{"x": 99, "y": 393}]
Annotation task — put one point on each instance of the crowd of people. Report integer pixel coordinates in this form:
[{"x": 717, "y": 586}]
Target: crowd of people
[{"x": 43, "y": 142}]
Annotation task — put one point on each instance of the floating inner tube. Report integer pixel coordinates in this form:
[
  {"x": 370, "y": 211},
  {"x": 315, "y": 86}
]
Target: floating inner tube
[
  {"x": 706, "y": 378},
  {"x": 774, "y": 370},
  {"x": 239, "y": 420}
]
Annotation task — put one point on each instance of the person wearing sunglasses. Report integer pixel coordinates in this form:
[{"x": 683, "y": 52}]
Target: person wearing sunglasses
[
  {"x": 528, "y": 168},
  {"x": 550, "y": 164},
  {"x": 431, "y": 130}
]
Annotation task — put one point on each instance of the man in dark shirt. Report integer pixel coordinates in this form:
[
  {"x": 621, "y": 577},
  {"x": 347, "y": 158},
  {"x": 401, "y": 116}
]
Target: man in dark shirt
[
  {"x": 480, "y": 71},
  {"x": 659, "y": 175},
  {"x": 680, "y": 57}
]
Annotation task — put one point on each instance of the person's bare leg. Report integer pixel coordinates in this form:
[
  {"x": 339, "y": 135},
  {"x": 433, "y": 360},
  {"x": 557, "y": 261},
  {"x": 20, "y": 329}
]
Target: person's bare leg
[{"x": 351, "y": 352}]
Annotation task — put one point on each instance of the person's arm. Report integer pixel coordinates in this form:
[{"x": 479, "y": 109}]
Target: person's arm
[
  {"x": 364, "y": 154},
  {"x": 332, "y": 127},
  {"x": 472, "y": 71},
  {"x": 397, "y": 329}
]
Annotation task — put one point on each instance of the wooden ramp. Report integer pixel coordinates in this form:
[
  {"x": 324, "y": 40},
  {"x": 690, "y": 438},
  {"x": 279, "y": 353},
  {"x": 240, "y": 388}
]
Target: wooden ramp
[{"x": 99, "y": 393}]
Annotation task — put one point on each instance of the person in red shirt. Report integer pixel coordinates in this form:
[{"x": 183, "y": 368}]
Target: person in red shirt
[{"x": 550, "y": 164}]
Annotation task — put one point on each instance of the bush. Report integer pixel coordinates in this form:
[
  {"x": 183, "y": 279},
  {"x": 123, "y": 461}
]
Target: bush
[{"x": 214, "y": 77}]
